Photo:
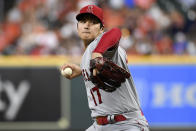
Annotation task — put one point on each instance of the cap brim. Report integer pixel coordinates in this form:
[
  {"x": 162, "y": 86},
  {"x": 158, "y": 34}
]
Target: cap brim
[{"x": 79, "y": 16}]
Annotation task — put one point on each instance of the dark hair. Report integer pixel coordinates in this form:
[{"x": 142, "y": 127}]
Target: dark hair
[{"x": 88, "y": 16}]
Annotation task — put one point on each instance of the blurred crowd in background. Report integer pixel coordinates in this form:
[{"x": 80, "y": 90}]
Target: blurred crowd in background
[{"x": 48, "y": 27}]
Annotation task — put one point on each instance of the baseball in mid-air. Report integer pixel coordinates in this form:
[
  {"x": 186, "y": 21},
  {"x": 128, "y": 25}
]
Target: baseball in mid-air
[{"x": 66, "y": 72}]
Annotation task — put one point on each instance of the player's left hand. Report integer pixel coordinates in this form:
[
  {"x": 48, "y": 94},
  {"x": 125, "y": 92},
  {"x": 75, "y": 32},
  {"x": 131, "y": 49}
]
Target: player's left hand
[
  {"x": 93, "y": 56},
  {"x": 110, "y": 76}
]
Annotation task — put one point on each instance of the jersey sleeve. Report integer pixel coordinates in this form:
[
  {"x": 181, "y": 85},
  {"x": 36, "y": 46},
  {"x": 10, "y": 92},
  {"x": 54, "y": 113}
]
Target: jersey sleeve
[{"x": 108, "y": 40}]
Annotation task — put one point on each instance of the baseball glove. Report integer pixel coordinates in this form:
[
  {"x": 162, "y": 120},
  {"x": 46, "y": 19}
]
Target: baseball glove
[{"x": 109, "y": 76}]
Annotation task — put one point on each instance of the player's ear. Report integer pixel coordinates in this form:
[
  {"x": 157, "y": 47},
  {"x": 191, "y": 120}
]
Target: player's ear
[{"x": 102, "y": 29}]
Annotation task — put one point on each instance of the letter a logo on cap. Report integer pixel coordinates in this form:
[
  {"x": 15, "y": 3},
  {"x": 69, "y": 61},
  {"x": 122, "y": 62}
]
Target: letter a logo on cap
[{"x": 90, "y": 9}]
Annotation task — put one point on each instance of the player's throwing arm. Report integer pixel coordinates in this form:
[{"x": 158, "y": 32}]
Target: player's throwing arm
[{"x": 70, "y": 71}]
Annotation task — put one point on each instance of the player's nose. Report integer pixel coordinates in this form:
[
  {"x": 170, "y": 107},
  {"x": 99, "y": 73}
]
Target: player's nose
[{"x": 87, "y": 24}]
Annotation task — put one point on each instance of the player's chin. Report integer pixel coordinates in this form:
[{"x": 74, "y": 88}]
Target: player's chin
[
  {"x": 85, "y": 35},
  {"x": 87, "y": 38}
]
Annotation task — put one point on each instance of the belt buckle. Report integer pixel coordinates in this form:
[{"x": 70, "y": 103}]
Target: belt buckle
[{"x": 111, "y": 119}]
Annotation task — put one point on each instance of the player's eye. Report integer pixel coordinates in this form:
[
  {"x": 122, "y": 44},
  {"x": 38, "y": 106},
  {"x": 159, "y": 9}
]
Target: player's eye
[
  {"x": 95, "y": 22},
  {"x": 82, "y": 21}
]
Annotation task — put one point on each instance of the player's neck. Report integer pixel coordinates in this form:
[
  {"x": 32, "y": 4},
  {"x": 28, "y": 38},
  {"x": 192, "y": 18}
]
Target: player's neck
[{"x": 87, "y": 42}]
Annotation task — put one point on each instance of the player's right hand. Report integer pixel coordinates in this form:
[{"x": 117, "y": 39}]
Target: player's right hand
[{"x": 76, "y": 70}]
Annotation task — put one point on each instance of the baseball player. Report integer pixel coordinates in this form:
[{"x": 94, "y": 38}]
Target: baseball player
[{"x": 114, "y": 104}]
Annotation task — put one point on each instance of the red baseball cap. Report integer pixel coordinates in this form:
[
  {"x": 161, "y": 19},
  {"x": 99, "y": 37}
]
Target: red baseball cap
[{"x": 92, "y": 9}]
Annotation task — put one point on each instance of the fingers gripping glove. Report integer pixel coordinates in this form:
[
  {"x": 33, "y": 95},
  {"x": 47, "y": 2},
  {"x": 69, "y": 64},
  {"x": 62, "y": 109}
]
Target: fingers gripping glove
[{"x": 109, "y": 76}]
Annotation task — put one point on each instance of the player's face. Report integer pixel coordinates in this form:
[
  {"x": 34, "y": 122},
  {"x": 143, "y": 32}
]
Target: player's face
[{"x": 89, "y": 28}]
